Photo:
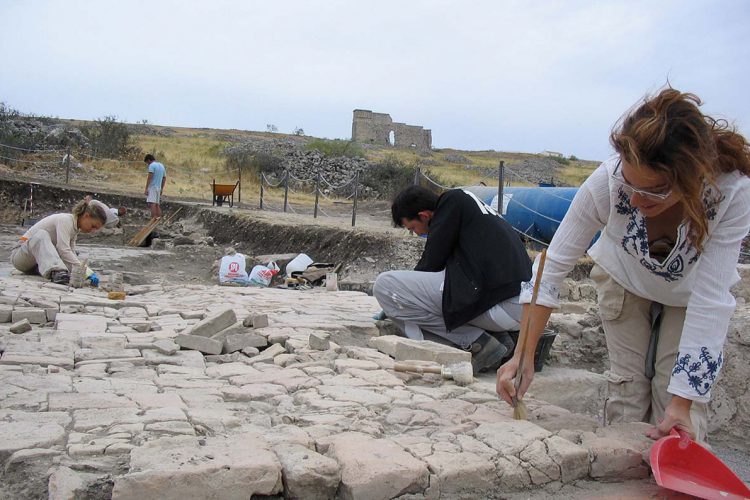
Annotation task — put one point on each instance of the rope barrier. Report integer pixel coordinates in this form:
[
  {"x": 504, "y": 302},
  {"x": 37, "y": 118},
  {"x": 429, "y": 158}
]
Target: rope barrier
[
  {"x": 340, "y": 185},
  {"x": 530, "y": 237},
  {"x": 269, "y": 182},
  {"x": 107, "y": 159},
  {"x": 433, "y": 182},
  {"x": 299, "y": 179},
  {"x": 513, "y": 200},
  {"x": 36, "y": 162},
  {"x": 526, "y": 179},
  {"x": 32, "y": 150}
]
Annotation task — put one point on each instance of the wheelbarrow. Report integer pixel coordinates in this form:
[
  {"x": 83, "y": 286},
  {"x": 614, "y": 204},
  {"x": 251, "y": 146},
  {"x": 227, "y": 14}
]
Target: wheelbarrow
[{"x": 681, "y": 464}]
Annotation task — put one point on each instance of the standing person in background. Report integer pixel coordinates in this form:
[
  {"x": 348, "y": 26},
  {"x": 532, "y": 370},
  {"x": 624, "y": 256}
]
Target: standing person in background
[
  {"x": 157, "y": 177},
  {"x": 48, "y": 247},
  {"x": 673, "y": 207}
]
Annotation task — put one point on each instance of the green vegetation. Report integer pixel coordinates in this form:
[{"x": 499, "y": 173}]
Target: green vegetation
[
  {"x": 109, "y": 138},
  {"x": 336, "y": 148}
]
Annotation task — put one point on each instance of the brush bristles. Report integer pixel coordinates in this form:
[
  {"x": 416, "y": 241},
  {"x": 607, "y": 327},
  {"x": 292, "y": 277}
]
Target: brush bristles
[{"x": 519, "y": 411}]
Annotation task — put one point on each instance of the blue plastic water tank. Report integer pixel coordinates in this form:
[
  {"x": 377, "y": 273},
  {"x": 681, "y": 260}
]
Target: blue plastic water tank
[{"x": 535, "y": 211}]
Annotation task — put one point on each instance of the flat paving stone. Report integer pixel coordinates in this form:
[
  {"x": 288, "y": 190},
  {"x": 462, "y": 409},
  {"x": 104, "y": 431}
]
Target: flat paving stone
[{"x": 180, "y": 468}]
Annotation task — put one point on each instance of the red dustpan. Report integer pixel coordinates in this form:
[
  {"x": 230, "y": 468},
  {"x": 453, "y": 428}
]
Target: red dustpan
[{"x": 683, "y": 465}]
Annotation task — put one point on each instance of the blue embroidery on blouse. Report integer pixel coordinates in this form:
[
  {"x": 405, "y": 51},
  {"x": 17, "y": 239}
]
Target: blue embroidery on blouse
[
  {"x": 699, "y": 378},
  {"x": 635, "y": 240}
]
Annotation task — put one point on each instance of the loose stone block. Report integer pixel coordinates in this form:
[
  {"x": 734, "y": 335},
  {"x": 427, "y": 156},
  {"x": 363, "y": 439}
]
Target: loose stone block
[
  {"x": 267, "y": 355},
  {"x": 166, "y": 346},
  {"x": 344, "y": 365},
  {"x": 187, "y": 359},
  {"x": 198, "y": 343},
  {"x": 285, "y": 359},
  {"x": 237, "y": 342},
  {"x": 250, "y": 351},
  {"x": 51, "y": 313},
  {"x": 375, "y": 468},
  {"x": 223, "y": 358},
  {"x": 319, "y": 341},
  {"x": 213, "y": 324},
  {"x": 306, "y": 473},
  {"x": 236, "y": 328},
  {"x": 21, "y": 326},
  {"x": 259, "y": 320},
  {"x": 36, "y": 316},
  {"x": 6, "y": 314},
  {"x": 425, "y": 350},
  {"x": 385, "y": 344},
  {"x": 178, "y": 468}
]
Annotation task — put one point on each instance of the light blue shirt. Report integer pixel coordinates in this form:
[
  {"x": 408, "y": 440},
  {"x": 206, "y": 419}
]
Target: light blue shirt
[{"x": 158, "y": 171}]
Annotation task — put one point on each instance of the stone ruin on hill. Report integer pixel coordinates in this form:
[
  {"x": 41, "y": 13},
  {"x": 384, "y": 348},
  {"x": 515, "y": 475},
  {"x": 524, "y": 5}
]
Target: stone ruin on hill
[{"x": 379, "y": 128}]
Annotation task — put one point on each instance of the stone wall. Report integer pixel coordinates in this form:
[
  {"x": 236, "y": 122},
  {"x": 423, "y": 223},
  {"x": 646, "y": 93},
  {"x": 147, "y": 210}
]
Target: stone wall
[{"x": 375, "y": 128}]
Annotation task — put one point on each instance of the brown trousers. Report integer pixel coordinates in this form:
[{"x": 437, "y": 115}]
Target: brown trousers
[{"x": 627, "y": 319}]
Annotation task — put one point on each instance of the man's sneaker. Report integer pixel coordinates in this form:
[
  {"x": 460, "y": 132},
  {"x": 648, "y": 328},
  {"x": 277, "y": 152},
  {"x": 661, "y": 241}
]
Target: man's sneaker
[
  {"x": 486, "y": 353},
  {"x": 61, "y": 277}
]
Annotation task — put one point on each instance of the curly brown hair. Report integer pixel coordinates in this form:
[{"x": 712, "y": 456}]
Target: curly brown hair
[{"x": 667, "y": 133}]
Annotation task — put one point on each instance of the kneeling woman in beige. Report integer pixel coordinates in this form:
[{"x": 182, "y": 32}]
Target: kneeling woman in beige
[{"x": 48, "y": 247}]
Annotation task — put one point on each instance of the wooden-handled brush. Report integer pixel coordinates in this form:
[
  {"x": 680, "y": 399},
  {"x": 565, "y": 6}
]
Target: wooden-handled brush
[{"x": 519, "y": 407}]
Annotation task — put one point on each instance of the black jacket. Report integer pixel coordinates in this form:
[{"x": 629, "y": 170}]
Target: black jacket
[{"x": 484, "y": 259}]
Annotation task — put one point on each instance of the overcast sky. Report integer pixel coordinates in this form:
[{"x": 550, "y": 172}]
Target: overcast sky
[{"x": 505, "y": 75}]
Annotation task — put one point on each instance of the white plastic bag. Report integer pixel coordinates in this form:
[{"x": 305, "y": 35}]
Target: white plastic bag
[
  {"x": 232, "y": 270},
  {"x": 299, "y": 263},
  {"x": 262, "y": 275}
]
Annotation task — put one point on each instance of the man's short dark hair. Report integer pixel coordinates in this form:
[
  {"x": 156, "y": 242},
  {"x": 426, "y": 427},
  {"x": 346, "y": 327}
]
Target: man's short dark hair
[
  {"x": 149, "y": 158},
  {"x": 410, "y": 201}
]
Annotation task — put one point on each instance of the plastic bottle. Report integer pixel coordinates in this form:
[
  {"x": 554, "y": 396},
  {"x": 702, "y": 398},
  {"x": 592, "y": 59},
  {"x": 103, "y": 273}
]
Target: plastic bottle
[
  {"x": 114, "y": 283},
  {"x": 78, "y": 275}
]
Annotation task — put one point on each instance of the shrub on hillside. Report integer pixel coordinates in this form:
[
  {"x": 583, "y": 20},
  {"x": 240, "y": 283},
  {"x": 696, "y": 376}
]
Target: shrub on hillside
[
  {"x": 391, "y": 175},
  {"x": 561, "y": 160},
  {"x": 336, "y": 148},
  {"x": 14, "y": 135},
  {"x": 253, "y": 163},
  {"x": 108, "y": 137}
]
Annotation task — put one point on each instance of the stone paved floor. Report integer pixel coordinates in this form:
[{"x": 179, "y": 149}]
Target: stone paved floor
[{"x": 89, "y": 404}]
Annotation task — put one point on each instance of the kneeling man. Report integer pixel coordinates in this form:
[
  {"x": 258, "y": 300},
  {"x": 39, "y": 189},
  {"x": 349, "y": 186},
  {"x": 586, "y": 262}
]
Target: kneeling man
[{"x": 468, "y": 279}]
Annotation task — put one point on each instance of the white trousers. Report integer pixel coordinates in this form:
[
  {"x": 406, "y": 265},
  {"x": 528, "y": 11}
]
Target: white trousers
[
  {"x": 414, "y": 301},
  {"x": 37, "y": 252}
]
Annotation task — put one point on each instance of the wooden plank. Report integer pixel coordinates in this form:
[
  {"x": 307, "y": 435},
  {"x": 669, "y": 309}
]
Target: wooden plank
[{"x": 141, "y": 235}]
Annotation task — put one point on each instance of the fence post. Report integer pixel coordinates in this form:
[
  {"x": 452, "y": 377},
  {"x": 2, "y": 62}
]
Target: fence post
[
  {"x": 356, "y": 192},
  {"x": 500, "y": 184},
  {"x": 286, "y": 189},
  {"x": 317, "y": 195},
  {"x": 261, "y": 190},
  {"x": 67, "y": 166},
  {"x": 416, "y": 176}
]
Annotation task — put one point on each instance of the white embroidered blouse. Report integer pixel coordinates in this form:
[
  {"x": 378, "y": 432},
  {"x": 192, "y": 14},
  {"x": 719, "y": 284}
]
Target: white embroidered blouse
[{"x": 698, "y": 281}]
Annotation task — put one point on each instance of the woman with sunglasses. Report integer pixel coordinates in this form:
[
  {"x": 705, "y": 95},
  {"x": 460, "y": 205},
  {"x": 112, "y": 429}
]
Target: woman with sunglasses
[{"x": 673, "y": 207}]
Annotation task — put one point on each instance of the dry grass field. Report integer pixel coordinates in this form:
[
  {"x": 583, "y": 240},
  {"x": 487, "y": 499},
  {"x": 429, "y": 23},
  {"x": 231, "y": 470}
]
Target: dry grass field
[{"x": 194, "y": 158}]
